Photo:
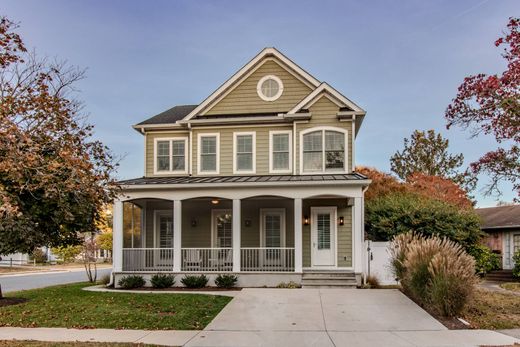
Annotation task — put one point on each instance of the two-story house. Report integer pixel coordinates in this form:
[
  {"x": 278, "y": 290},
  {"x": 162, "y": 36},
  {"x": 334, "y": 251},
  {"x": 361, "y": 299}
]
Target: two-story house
[{"x": 257, "y": 180}]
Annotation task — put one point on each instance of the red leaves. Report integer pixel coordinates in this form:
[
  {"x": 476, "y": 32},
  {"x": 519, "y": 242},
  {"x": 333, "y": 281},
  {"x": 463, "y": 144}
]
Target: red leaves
[{"x": 491, "y": 104}]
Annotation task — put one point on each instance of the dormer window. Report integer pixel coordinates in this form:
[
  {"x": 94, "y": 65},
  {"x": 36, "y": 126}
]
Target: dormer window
[
  {"x": 323, "y": 150},
  {"x": 269, "y": 88},
  {"x": 171, "y": 155}
]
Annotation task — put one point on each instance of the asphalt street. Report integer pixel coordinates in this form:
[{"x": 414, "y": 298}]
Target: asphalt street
[{"x": 12, "y": 283}]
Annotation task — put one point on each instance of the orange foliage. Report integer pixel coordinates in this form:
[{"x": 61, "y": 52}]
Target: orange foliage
[
  {"x": 438, "y": 188},
  {"x": 432, "y": 187}
]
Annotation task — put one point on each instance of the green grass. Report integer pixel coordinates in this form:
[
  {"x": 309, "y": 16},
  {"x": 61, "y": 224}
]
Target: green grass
[
  {"x": 70, "y": 307},
  {"x": 68, "y": 344},
  {"x": 513, "y": 286}
]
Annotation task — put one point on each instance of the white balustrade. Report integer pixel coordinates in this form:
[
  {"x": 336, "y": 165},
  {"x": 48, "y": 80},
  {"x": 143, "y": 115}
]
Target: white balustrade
[{"x": 267, "y": 259}]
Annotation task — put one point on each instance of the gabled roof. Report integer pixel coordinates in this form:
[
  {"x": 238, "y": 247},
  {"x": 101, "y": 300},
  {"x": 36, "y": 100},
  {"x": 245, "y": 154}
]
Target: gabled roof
[
  {"x": 325, "y": 89},
  {"x": 170, "y": 116},
  {"x": 501, "y": 217},
  {"x": 266, "y": 52}
]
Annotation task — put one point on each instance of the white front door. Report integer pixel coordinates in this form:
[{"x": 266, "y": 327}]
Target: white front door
[
  {"x": 164, "y": 239},
  {"x": 323, "y": 236},
  {"x": 222, "y": 229}
]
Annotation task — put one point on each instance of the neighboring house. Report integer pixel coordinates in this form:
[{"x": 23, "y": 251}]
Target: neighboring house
[
  {"x": 502, "y": 226},
  {"x": 256, "y": 180}
]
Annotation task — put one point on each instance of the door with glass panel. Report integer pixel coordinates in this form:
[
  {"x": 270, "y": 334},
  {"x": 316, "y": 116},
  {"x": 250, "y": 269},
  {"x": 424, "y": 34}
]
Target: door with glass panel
[
  {"x": 272, "y": 230},
  {"x": 323, "y": 236},
  {"x": 164, "y": 238},
  {"x": 222, "y": 237}
]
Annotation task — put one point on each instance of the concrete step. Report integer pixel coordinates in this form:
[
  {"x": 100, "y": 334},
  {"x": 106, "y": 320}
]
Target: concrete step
[
  {"x": 326, "y": 279},
  {"x": 323, "y": 286}
]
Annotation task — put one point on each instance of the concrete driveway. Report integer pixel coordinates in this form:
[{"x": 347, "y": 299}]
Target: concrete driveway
[{"x": 332, "y": 317}]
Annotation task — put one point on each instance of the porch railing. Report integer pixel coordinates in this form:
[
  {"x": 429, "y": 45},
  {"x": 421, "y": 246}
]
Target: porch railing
[
  {"x": 265, "y": 259},
  {"x": 147, "y": 259},
  {"x": 207, "y": 259}
]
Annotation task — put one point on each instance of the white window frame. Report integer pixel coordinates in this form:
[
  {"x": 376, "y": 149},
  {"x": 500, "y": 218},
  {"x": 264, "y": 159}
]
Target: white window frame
[
  {"x": 235, "y": 166},
  {"x": 323, "y": 129},
  {"x": 199, "y": 153},
  {"x": 214, "y": 213},
  {"x": 265, "y": 97},
  {"x": 283, "y": 230},
  {"x": 156, "y": 236},
  {"x": 289, "y": 133},
  {"x": 170, "y": 140}
]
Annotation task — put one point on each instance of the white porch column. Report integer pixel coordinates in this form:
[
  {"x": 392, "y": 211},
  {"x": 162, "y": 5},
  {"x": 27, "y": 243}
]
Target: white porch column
[
  {"x": 358, "y": 235},
  {"x": 298, "y": 237},
  {"x": 236, "y": 235},
  {"x": 177, "y": 235},
  {"x": 117, "y": 227}
]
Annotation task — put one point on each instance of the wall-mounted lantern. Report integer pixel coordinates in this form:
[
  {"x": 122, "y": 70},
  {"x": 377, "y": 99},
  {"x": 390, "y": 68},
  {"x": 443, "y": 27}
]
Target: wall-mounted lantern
[
  {"x": 306, "y": 220},
  {"x": 193, "y": 223},
  {"x": 341, "y": 220},
  {"x": 247, "y": 222}
]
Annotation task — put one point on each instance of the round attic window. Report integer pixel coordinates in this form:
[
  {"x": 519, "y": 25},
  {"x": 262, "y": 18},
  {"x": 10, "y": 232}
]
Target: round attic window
[{"x": 269, "y": 88}]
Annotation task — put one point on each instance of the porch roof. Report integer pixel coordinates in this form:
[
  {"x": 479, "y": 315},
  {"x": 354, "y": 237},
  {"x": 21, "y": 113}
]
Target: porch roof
[{"x": 353, "y": 177}]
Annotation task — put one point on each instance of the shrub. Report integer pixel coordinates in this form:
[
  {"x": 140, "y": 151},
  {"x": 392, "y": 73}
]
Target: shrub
[
  {"x": 516, "y": 268},
  {"x": 105, "y": 279},
  {"x": 67, "y": 254},
  {"x": 485, "y": 259},
  {"x": 192, "y": 281},
  {"x": 373, "y": 282},
  {"x": 39, "y": 256},
  {"x": 131, "y": 282},
  {"x": 434, "y": 271},
  {"x": 162, "y": 281},
  {"x": 397, "y": 213},
  {"x": 288, "y": 285},
  {"x": 226, "y": 281}
]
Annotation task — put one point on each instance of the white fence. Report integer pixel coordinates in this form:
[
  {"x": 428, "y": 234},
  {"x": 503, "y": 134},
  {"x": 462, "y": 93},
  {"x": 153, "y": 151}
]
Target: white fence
[{"x": 378, "y": 262}]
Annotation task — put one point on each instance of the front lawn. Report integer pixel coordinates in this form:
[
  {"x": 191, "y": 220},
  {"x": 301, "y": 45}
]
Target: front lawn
[
  {"x": 70, "y": 307},
  {"x": 514, "y": 286},
  {"x": 68, "y": 344},
  {"x": 493, "y": 310}
]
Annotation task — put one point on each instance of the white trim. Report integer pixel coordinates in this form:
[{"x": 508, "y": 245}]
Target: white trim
[
  {"x": 265, "y": 97},
  {"x": 316, "y": 94},
  {"x": 214, "y": 213},
  {"x": 217, "y": 149},
  {"x": 290, "y": 150},
  {"x": 145, "y": 162},
  {"x": 156, "y": 215},
  {"x": 334, "y": 211},
  {"x": 170, "y": 140},
  {"x": 253, "y": 164},
  {"x": 324, "y": 171},
  {"x": 263, "y": 213},
  {"x": 352, "y": 142},
  {"x": 264, "y": 53}
]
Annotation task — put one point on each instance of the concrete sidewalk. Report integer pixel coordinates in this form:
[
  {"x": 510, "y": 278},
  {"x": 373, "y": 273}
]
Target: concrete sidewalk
[
  {"x": 158, "y": 337},
  {"x": 263, "y": 338}
]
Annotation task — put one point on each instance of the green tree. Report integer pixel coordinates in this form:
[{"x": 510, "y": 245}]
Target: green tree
[
  {"x": 54, "y": 179},
  {"x": 67, "y": 253},
  {"x": 427, "y": 152},
  {"x": 104, "y": 240},
  {"x": 397, "y": 213}
]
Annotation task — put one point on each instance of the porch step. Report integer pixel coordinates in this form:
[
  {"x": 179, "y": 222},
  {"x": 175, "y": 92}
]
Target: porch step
[
  {"x": 500, "y": 276},
  {"x": 328, "y": 279}
]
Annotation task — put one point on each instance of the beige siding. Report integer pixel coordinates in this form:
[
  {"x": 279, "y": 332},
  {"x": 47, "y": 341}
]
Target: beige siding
[
  {"x": 244, "y": 98},
  {"x": 324, "y": 113},
  {"x": 344, "y": 240},
  {"x": 226, "y": 147},
  {"x": 149, "y": 146}
]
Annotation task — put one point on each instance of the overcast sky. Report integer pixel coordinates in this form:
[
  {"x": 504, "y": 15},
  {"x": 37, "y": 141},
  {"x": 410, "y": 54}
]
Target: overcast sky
[{"x": 400, "y": 60}]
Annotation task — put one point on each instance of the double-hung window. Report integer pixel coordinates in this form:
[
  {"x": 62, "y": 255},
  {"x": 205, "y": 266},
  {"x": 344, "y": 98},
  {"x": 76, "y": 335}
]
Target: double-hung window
[
  {"x": 280, "y": 158},
  {"x": 323, "y": 151},
  {"x": 244, "y": 152},
  {"x": 171, "y": 155},
  {"x": 208, "y": 159}
]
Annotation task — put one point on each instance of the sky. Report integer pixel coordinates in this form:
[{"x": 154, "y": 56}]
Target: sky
[{"x": 401, "y": 61}]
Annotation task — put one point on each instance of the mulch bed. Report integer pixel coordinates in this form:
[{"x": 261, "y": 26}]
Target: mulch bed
[
  {"x": 451, "y": 323},
  {"x": 11, "y": 301},
  {"x": 184, "y": 289}
]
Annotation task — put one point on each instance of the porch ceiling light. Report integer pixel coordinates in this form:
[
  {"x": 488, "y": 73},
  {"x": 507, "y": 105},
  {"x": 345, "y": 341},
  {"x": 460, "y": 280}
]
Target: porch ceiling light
[
  {"x": 215, "y": 201},
  {"x": 306, "y": 220}
]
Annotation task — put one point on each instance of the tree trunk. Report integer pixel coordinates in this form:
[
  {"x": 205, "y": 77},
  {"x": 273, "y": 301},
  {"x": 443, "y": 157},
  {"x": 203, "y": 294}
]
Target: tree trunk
[{"x": 1, "y": 296}]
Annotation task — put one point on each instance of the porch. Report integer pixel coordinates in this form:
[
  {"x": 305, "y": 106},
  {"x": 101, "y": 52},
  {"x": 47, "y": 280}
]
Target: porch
[{"x": 256, "y": 231}]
